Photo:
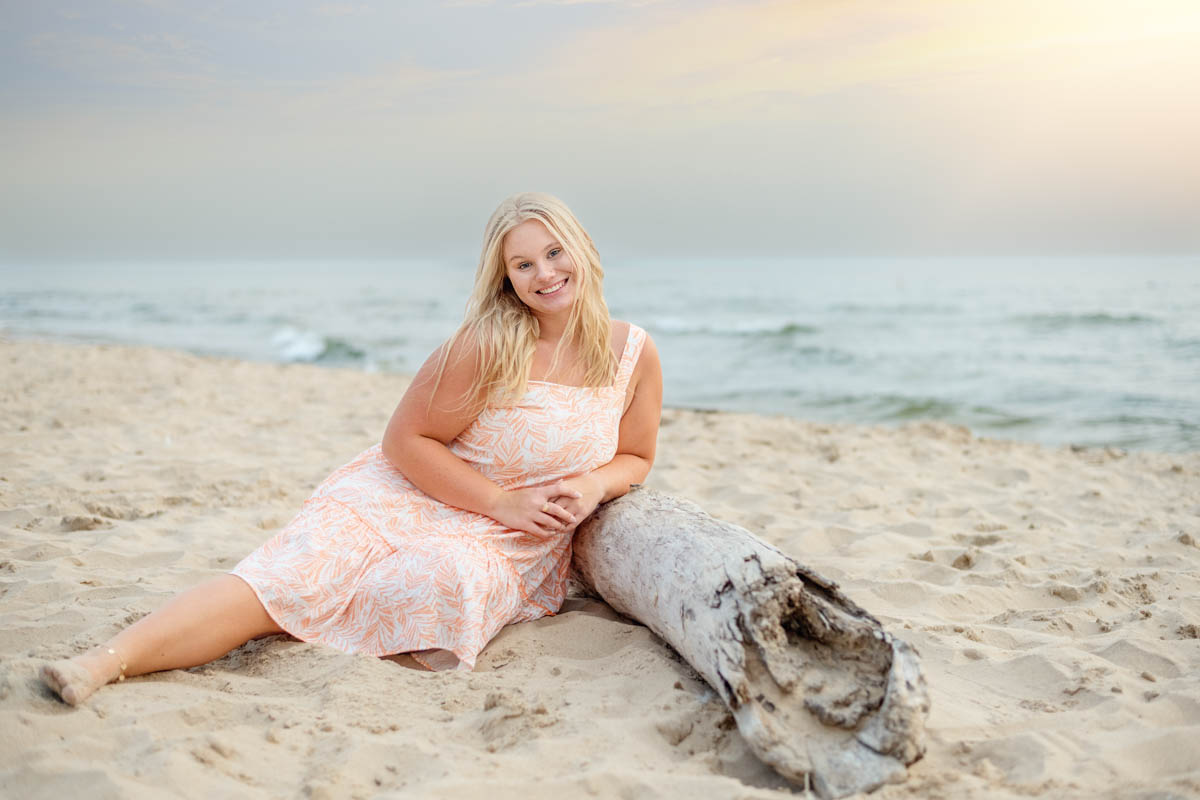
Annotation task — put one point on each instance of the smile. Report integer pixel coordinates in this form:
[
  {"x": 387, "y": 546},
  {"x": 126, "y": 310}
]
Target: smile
[{"x": 552, "y": 289}]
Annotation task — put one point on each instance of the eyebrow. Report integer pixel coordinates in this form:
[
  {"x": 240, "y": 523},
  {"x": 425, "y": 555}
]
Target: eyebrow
[{"x": 549, "y": 246}]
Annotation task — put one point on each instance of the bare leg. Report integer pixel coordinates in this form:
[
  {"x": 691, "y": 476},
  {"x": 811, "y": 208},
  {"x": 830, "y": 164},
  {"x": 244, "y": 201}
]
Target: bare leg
[{"x": 198, "y": 626}]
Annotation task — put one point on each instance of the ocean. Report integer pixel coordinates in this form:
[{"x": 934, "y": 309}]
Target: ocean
[{"x": 1085, "y": 351}]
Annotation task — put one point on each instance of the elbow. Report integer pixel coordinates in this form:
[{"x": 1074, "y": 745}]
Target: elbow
[
  {"x": 393, "y": 449},
  {"x": 647, "y": 457},
  {"x": 404, "y": 451},
  {"x": 644, "y": 470},
  {"x": 640, "y": 469},
  {"x": 388, "y": 448}
]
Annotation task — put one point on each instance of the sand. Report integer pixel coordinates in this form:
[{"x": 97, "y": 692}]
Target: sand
[{"x": 1054, "y": 595}]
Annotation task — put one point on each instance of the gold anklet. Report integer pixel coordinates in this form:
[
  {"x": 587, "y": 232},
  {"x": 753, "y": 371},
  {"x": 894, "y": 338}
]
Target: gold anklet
[{"x": 112, "y": 652}]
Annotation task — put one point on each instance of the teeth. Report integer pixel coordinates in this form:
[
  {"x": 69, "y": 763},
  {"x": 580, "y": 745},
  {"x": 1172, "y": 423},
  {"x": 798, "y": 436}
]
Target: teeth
[{"x": 553, "y": 288}]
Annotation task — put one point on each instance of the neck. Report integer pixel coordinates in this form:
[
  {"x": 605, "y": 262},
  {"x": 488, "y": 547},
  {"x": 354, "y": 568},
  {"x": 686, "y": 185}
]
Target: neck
[{"x": 552, "y": 327}]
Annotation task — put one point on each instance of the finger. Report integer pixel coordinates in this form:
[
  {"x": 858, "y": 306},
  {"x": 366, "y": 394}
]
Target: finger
[
  {"x": 562, "y": 489},
  {"x": 539, "y": 528},
  {"x": 540, "y": 532},
  {"x": 548, "y": 522},
  {"x": 570, "y": 505},
  {"x": 557, "y": 511}
]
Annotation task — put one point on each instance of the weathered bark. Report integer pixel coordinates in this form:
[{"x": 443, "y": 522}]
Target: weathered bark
[{"x": 816, "y": 685}]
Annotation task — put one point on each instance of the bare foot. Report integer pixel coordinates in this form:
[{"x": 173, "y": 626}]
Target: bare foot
[{"x": 75, "y": 679}]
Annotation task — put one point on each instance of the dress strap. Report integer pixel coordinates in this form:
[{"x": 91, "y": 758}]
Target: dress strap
[{"x": 629, "y": 357}]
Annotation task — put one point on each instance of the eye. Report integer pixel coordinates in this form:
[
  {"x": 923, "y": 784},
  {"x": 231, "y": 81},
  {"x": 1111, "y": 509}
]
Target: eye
[
  {"x": 555, "y": 252},
  {"x": 523, "y": 265}
]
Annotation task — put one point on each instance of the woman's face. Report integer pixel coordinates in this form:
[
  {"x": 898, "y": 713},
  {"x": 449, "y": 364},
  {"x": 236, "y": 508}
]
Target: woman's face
[{"x": 541, "y": 272}]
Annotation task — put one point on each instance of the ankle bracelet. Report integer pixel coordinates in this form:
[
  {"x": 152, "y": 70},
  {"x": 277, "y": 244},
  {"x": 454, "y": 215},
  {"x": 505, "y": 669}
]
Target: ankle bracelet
[{"x": 112, "y": 652}]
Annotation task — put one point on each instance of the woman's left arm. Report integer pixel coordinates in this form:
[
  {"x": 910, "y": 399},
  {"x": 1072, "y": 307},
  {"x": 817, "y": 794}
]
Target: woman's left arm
[{"x": 635, "y": 442}]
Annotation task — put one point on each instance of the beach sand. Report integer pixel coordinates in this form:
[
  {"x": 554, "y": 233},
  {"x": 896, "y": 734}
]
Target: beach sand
[{"x": 1054, "y": 596}]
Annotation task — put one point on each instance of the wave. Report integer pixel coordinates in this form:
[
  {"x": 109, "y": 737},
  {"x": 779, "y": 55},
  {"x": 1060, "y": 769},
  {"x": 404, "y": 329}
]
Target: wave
[
  {"x": 1087, "y": 319},
  {"x": 292, "y": 344},
  {"x": 1148, "y": 421},
  {"x": 895, "y": 308},
  {"x": 1145, "y": 431},
  {"x": 1187, "y": 345},
  {"x": 682, "y": 327},
  {"x": 902, "y": 408},
  {"x": 871, "y": 408},
  {"x": 144, "y": 311}
]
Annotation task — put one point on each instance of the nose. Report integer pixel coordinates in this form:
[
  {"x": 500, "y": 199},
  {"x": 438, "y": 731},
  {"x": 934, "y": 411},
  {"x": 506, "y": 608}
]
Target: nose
[{"x": 544, "y": 270}]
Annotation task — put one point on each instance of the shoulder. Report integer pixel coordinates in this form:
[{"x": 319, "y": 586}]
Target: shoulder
[
  {"x": 467, "y": 351},
  {"x": 621, "y": 331},
  {"x": 464, "y": 343},
  {"x": 629, "y": 337},
  {"x": 453, "y": 365},
  {"x": 624, "y": 331}
]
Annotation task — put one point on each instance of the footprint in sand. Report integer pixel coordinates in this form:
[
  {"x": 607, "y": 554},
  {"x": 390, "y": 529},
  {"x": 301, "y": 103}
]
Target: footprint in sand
[
  {"x": 78, "y": 523},
  {"x": 507, "y": 719}
]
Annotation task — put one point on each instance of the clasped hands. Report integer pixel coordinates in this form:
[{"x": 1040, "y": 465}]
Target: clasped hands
[{"x": 549, "y": 509}]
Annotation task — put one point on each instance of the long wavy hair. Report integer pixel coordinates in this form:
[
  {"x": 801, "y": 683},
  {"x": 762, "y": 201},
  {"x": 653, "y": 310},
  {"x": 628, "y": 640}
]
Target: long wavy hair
[{"x": 501, "y": 328}]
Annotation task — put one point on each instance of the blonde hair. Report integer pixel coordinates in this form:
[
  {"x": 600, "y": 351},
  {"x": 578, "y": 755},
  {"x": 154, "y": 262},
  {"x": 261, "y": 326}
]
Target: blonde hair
[{"x": 501, "y": 328}]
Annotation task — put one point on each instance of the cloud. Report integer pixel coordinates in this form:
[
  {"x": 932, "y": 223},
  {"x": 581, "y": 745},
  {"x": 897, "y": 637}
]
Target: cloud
[
  {"x": 731, "y": 53},
  {"x": 840, "y": 124}
]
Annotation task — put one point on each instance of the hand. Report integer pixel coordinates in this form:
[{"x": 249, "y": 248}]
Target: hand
[
  {"x": 587, "y": 492},
  {"x": 537, "y": 509}
]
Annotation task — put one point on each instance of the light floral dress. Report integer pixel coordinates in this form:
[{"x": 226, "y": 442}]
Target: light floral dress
[{"x": 373, "y": 565}]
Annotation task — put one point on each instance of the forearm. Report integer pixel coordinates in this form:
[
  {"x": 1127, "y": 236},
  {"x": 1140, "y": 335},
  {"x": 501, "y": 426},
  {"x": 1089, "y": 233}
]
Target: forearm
[
  {"x": 615, "y": 477},
  {"x": 437, "y": 472}
]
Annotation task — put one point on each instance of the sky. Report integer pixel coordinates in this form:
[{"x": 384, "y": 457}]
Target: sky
[{"x": 279, "y": 129}]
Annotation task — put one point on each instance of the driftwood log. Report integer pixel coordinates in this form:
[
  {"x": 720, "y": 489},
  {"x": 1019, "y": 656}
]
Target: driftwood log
[{"x": 818, "y": 689}]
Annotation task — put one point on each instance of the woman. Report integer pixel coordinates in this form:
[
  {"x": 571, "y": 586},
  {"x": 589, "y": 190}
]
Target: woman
[{"x": 538, "y": 409}]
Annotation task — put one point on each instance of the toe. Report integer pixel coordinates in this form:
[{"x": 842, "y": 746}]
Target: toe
[
  {"x": 70, "y": 696},
  {"x": 64, "y": 679},
  {"x": 50, "y": 677}
]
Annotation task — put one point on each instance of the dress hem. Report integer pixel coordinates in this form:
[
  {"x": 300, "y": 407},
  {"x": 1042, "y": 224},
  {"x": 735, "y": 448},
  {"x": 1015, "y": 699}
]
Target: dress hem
[{"x": 364, "y": 652}]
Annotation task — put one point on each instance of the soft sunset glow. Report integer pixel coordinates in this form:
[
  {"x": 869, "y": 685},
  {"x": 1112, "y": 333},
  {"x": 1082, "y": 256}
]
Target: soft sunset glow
[{"x": 152, "y": 129}]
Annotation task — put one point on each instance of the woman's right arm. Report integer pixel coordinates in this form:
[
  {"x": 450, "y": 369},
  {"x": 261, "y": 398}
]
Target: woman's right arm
[{"x": 428, "y": 418}]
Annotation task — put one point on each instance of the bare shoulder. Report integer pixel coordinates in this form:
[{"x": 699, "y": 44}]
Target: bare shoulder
[
  {"x": 648, "y": 364},
  {"x": 622, "y": 330},
  {"x": 643, "y": 401},
  {"x": 436, "y": 403},
  {"x": 647, "y": 372},
  {"x": 620, "y": 335},
  {"x": 463, "y": 355}
]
